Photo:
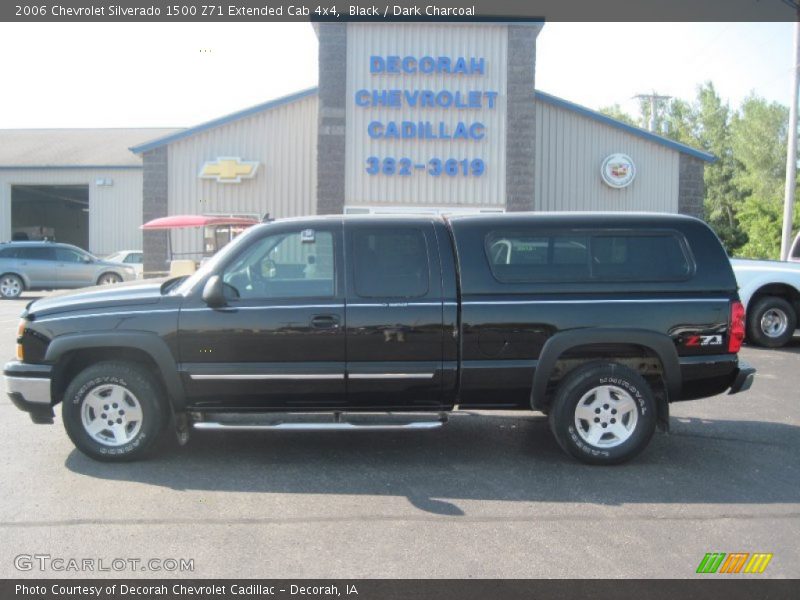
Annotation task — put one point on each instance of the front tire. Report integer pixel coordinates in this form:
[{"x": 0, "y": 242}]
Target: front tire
[
  {"x": 771, "y": 322},
  {"x": 11, "y": 286},
  {"x": 114, "y": 411},
  {"x": 108, "y": 279},
  {"x": 603, "y": 414}
]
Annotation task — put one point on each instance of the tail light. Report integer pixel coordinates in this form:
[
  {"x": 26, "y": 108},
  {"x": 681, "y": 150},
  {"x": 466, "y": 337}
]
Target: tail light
[{"x": 736, "y": 328}]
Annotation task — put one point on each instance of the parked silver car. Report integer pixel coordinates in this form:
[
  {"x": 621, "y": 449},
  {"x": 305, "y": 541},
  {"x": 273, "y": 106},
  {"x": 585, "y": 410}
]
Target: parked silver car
[{"x": 48, "y": 265}]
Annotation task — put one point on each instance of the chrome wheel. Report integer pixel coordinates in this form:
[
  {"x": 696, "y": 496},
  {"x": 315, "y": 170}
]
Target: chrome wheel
[
  {"x": 111, "y": 415},
  {"x": 108, "y": 279},
  {"x": 10, "y": 286},
  {"x": 606, "y": 416},
  {"x": 774, "y": 322}
]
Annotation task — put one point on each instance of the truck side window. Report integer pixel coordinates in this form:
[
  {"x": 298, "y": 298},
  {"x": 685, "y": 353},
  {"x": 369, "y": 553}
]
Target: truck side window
[
  {"x": 520, "y": 256},
  {"x": 390, "y": 263},
  {"x": 641, "y": 257},
  {"x": 298, "y": 264},
  {"x": 533, "y": 257}
]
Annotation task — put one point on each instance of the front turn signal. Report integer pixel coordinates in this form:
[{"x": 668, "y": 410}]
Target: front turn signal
[{"x": 20, "y": 333}]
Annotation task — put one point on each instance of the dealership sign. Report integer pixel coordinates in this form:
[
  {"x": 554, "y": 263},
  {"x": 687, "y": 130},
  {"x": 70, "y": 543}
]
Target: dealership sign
[
  {"x": 228, "y": 169},
  {"x": 408, "y": 107},
  {"x": 618, "y": 170}
]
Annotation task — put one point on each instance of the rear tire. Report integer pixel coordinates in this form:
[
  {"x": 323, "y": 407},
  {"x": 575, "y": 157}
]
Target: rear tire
[
  {"x": 114, "y": 411},
  {"x": 11, "y": 286},
  {"x": 771, "y": 322},
  {"x": 603, "y": 414}
]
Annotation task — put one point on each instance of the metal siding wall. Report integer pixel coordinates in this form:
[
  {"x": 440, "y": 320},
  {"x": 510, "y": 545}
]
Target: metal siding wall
[
  {"x": 115, "y": 212},
  {"x": 418, "y": 39},
  {"x": 569, "y": 151},
  {"x": 282, "y": 139}
]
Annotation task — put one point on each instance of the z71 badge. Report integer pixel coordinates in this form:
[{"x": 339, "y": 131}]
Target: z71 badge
[{"x": 694, "y": 341}]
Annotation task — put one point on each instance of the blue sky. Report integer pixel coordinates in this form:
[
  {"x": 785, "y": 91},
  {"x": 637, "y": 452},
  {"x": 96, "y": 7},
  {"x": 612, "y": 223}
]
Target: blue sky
[{"x": 180, "y": 74}]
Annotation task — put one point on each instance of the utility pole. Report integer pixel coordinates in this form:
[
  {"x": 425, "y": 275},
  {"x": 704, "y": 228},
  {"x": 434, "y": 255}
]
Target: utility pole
[
  {"x": 791, "y": 150},
  {"x": 654, "y": 99}
]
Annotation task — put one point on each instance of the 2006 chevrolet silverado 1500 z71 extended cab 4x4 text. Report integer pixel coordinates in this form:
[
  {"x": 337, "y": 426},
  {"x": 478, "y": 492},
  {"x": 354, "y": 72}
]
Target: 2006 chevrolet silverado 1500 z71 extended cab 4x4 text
[{"x": 599, "y": 320}]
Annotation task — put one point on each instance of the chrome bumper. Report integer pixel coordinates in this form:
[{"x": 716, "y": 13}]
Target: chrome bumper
[
  {"x": 28, "y": 387},
  {"x": 35, "y": 391}
]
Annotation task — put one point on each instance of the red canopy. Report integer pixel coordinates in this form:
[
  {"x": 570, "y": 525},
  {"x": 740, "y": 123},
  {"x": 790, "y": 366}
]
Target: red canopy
[{"x": 181, "y": 221}]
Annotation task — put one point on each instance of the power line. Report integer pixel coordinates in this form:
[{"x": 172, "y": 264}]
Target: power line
[{"x": 654, "y": 99}]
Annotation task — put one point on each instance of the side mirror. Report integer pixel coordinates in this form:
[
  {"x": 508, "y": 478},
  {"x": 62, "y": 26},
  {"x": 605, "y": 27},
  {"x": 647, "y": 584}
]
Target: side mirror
[
  {"x": 213, "y": 292},
  {"x": 86, "y": 259}
]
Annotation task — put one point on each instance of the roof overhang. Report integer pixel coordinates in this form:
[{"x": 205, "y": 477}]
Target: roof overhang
[
  {"x": 242, "y": 114},
  {"x": 611, "y": 122}
]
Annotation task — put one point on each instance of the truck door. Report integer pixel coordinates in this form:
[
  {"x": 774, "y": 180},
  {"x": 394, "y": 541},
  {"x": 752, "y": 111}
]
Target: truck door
[
  {"x": 279, "y": 342},
  {"x": 393, "y": 315}
]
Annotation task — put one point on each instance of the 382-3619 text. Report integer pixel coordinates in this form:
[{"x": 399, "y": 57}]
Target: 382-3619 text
[{"x": 451, "y": 167}]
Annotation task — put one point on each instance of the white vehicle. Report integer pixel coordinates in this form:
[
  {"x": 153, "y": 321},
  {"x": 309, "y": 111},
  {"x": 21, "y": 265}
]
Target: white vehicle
[
  {"x": 132, "y": 258},
  {"x": 770, "y": 292}
]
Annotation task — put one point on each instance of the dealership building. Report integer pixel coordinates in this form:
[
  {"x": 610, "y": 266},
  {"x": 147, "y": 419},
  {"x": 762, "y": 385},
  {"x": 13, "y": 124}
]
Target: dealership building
[
  {"x": 407, "y": 117},
  {"x": 80, "y": 186}
]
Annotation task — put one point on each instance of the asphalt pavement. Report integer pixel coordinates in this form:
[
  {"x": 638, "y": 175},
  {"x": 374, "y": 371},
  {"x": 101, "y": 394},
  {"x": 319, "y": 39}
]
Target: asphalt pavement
[{"x": 489, "y": 495}]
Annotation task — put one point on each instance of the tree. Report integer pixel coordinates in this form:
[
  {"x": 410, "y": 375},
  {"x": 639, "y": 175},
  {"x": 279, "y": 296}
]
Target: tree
[
  {"x": 744, "y": 186},
  {"x": 758, "y": 142},
  {"x": 706, "y": 124},
  {"x": 680, "y": 123},
  {"x": 615, "y": 112}
]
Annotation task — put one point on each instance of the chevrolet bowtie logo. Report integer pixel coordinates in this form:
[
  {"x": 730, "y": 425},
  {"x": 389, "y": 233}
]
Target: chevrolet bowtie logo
[{"x": 227, "y": 169}]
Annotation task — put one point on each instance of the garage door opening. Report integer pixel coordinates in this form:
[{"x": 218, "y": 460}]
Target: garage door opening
[{"x": 54, "y": 212}]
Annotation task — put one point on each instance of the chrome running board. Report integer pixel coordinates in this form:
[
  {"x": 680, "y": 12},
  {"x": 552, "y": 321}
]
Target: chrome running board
[
  {"x": 339, "y": 422},
  {"x": 314, "y": 426}
]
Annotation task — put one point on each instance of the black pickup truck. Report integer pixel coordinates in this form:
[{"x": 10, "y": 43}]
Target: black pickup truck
[{"x": 598, "y": 320}]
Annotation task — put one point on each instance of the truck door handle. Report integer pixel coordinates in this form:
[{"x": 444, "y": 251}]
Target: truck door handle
[{"x": 325, "y": 322}]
